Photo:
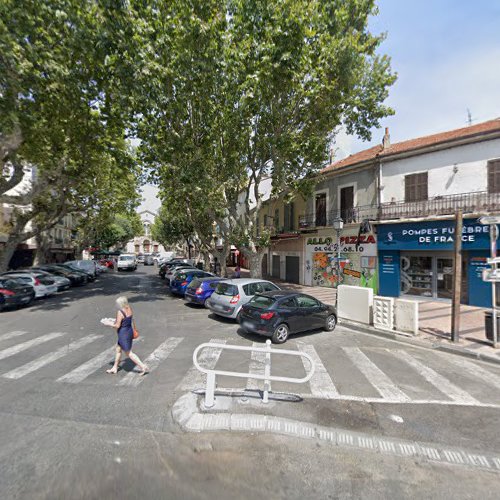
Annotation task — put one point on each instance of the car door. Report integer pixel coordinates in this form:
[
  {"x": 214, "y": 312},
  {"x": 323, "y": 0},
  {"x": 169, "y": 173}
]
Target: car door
[
  {"x": 310, "y": 312},
  {"x": 291, "y": 314}
]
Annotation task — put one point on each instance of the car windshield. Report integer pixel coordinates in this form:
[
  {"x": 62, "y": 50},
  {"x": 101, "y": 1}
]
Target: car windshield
[
  {"x": 227, "y": 289},
  {"x": 127, "y": 257},
  {"x": 261, "y": 302}
]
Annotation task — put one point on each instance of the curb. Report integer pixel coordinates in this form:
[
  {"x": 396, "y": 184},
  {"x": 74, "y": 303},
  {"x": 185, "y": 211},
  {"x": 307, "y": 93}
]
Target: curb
[
  {"x": 409, "y": 339},
  {"x": 186, "y": 413}
]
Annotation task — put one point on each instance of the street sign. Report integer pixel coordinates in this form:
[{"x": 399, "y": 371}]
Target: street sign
[
  {"x": 491, "y": 275},
  {"x": 490, "y": 219}
]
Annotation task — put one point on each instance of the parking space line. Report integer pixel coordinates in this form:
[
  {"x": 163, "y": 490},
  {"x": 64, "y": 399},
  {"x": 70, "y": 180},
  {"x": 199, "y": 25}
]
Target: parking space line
[
  {"x": 257, "y": 363},
  {"x": 380, "y": 381},
  {"x": 11, "y": 351},
  {"x": 49, "y": 358},
  {"x": 321, "y": 383},
  {"x": 83, "y": 371},
  {"x": 438, "y": 381},
  {"x": 11, "y": 335},
  {"x": 161, "y": 353},
  {"x": 208, "y": 358}
]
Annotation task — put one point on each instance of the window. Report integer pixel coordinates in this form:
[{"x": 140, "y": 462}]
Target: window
[
  {"x": 304, "y": 301},
  {"x": 320, "y": 209},
  {"x": 416, "y": 187},
  {"x": 289, "y": 303},
  {"x": 261, "y": 302},
  {"x": 494, "y": 176},
  {"x": 277, "y": 218},
  {"x": 290, "y": 217},
  {"x": 268, "y": 287},
  {"x": 347, "y": 204}
]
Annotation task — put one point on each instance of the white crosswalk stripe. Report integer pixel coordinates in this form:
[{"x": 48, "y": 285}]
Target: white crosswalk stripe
[
  {"x": 208, "y": 358},
  {"x": 321, "y": 383},
  {"x": 438, "y": 381},
  {"x": 257, "y": 364},
  {"x": 478, "y": 371},
  {"x": 382, "y": 383},
  {"x": 161, "y": 353},
  {"x": 11, "y": 351},
  {"x": 50, "y": 357},
  {"x": 12, "y": 335},
  {"x": 83, "y": 371}
]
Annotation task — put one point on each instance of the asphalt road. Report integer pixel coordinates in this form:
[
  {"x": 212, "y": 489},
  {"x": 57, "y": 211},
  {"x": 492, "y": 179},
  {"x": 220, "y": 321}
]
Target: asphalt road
[{"x": 69, "y": 430}]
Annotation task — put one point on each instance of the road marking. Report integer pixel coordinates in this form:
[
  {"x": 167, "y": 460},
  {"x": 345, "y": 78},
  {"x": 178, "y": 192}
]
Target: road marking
[
  {"x": 478, "y": 371},
  {"x": 438, "y": 381},
  {"x": 11, "y": 335},
  {"x": 38, "y": 363},
  {"x": 11, "y": 351},
  {"x": 208, "y": 358},
  {"x": 257, "y": 364},
  {"x": 83, "y": 371},
  {"x": 162, "y": 352},
  {"x": 321, "y": 383},
  {"x": 382, "y": 383}
]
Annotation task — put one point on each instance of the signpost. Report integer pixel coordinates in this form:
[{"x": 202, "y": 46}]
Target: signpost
[{"x": 493, "y": 275}]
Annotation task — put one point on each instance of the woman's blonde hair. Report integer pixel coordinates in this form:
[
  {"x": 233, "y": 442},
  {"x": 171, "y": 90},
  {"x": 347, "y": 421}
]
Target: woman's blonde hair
[{"x": 122, "y": 302}]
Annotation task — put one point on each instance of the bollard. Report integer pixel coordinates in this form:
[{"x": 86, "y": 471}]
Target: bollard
[{"x": 267, "y": 373}]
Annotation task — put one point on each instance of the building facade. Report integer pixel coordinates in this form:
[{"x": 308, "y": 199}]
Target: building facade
[{"x": 144, "y": 243}]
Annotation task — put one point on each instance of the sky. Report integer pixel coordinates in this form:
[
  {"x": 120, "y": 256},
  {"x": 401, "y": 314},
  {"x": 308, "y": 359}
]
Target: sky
[{"x": 447, "y": 57}]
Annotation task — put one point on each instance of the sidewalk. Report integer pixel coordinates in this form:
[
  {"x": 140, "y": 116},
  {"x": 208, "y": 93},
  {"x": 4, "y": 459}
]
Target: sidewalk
[{"x": 434, "y": 323}]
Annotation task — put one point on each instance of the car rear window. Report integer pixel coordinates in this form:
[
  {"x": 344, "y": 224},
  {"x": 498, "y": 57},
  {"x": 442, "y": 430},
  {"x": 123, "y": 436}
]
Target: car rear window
[
  {"x": 126, "y": 257},
  {"x": 9, "y": 283},
  {"x": 227, "y": 289},
  {"x": 180, "y": 276},
  {"x": 194, "y": 284},
  {"x": 261, "y": 302}
]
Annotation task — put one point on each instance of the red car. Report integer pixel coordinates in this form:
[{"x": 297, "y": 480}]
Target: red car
[{"x": 108, "y": 263}]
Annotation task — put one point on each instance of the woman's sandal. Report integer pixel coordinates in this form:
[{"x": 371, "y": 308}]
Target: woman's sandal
[
  {"x": 111, "y": 371},
  {"x": 144, "y": 371}
]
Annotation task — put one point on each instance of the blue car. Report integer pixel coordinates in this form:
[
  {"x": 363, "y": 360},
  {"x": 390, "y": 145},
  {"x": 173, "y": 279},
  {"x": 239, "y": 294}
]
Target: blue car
[
  {"x": 200, "y": 289},
  {"x": 182, "y": 279}
]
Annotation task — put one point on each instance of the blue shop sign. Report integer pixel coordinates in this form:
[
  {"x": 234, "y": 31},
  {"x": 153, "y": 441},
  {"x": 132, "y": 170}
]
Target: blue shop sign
[{"x": 432, "y": 235}]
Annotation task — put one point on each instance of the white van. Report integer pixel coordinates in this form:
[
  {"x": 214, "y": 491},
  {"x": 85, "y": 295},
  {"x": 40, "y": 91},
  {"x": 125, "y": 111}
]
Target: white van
[{"x": 127, "y": 262}]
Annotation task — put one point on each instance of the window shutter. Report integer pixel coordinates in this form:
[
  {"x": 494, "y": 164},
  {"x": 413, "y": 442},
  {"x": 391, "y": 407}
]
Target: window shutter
[{"x": 494, "y": 176}]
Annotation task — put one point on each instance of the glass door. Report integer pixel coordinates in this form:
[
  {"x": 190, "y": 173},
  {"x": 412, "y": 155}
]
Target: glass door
[
  {"x": 417, "y": 275},
  {"x": 444, "y": 278}
]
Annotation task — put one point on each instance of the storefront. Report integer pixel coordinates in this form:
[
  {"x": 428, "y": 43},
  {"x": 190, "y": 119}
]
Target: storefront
[
  {"x": 286, "y": 257},
  {"x": 358, "y": 258},
  {"x": 416, "y": 259}
]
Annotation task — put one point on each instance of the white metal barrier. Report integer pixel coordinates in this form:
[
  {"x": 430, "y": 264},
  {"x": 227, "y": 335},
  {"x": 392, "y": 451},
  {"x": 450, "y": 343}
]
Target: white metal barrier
[{"x": 267, "y": 377}]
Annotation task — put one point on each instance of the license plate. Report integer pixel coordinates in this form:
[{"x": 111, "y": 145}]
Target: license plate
[
  {"x": 188, "y": 298},
  {"x": 247, "y": 324},
  {"x": 25, "y": 299}
]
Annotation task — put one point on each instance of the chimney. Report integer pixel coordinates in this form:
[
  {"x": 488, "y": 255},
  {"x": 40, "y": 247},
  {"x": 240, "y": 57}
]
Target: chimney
[{"x": 386, "y": 141}]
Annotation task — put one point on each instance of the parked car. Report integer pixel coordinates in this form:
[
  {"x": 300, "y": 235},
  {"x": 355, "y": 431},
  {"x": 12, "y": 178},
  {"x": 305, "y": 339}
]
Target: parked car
[
  {"x": 231, "y": 295},
  {"x": 201, "y": 289},
  {"x": 75, "y": 277},
  {"x": 127, "y": 262},
  {"x": 43, "y": 286},
  {"x": 149, "y": 260},
  {"x": 140, "y": 258},
  {"x": 108, "y": 263},
  {"x": 89, "y": 266},
  {"x": 182, "y": 279},
  {"x": 61, "y": 282},
  {"x": 280, "y": 313},
  {"x": 87, "y": 276},
  {"x": 173, "y": 270},
  {"x": 15, "y": 293},
  {"x": 165, "y": 266}
]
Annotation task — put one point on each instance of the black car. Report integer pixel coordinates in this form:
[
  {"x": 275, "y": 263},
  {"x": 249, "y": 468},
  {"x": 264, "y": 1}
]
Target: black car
[
  {"x": 15, "y": 293},
  {"x": 279, "y": 313},
  {"x": 74, "y": 277},
  {"x": 87, "y": 275}
]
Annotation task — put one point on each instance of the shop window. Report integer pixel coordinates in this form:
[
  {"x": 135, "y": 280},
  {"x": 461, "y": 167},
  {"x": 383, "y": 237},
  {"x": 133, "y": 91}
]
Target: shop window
[
  {"x": 494, "y": 176},
  {"x": 289, "y": 217},
  {"x": 347, "y": 204},
  {"x": 320, "y": 209},
  {"x": 416, "y": 187}
]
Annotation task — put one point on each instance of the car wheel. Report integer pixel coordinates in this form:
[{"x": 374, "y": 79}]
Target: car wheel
[
  {"x": 281, "y": 333},
  {"x": 238, "y": 317},
  {"x": 330, "y": 323}
]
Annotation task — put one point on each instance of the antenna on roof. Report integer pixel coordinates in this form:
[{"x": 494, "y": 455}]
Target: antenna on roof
[{"x": 469, "y": 118}]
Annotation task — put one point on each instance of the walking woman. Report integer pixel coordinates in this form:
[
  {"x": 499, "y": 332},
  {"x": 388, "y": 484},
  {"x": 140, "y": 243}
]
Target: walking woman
[{"x": 124, "y": 325}]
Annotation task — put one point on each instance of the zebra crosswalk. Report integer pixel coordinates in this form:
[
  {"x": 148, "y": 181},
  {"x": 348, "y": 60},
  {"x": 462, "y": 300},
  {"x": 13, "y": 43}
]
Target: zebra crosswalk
[{"x": 365, "y": 372}]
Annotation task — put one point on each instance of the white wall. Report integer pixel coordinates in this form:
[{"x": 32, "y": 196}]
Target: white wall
[{"x": 469, "y": 161}]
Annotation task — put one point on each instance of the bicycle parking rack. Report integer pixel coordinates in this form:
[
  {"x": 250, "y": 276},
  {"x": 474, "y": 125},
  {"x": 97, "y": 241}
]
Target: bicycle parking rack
[{"x": 267, "y": 377}]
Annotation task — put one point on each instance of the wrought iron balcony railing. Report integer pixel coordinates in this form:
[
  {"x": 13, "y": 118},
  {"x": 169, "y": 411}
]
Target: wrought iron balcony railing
[{"x": 312, "y": 221}]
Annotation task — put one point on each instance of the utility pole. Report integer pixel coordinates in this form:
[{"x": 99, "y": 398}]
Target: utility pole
[{"x": 457, "y": 278}]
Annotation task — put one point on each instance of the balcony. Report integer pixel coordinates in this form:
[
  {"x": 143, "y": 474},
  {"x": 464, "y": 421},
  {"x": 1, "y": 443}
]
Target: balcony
[
  {"x": 479, "y": 202},
  {"x": 311, "y": 221}
]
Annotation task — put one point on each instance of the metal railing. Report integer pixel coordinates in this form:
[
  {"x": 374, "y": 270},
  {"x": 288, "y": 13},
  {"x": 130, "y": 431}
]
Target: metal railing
[
  {"x": 352, "y": 215},
  {"x": 479, "y": 202},
  {"x": 267, "y": 377}
]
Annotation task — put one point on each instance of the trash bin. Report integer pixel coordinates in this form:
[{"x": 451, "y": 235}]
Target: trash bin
[{"x": 488, "y": 325}]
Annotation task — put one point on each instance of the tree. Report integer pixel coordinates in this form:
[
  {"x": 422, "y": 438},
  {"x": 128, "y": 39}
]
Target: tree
[
  {"x": 247, "y": 91},
  {"x": 65, "y": 105}
]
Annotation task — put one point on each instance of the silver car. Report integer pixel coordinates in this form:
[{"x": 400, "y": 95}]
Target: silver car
[
  {"x": 230, "y": 295},
  {"x": 43, "y": 286}
]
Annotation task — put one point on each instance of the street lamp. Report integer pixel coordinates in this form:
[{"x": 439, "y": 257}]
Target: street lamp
[{"x": 338, "y": 224}]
